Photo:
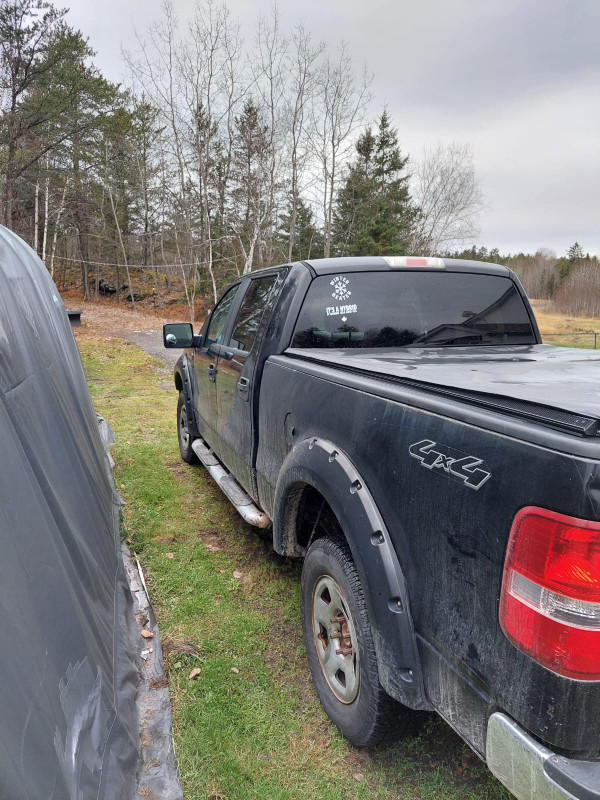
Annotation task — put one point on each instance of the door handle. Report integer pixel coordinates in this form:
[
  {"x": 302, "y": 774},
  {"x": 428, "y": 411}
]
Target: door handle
[
  {"x": 212, "y": 372},
  {"x": 244, "y": 387}
]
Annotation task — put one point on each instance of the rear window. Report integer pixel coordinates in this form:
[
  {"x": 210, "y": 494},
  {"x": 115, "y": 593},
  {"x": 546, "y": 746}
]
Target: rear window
[{"x": 403, "y": 309}]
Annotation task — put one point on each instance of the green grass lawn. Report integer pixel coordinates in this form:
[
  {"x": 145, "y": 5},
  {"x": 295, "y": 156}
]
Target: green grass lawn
[{"x": 249, "y": 726}]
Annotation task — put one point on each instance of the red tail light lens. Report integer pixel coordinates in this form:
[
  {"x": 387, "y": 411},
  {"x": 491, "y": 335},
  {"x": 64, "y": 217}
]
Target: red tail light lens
[{"x": 550, "y": 599}]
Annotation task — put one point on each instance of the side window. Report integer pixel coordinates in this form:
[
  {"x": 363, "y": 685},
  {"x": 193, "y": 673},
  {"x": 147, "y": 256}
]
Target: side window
[
  {"x": 251, "y": 311},
  {"x": 219, "y": 318}
]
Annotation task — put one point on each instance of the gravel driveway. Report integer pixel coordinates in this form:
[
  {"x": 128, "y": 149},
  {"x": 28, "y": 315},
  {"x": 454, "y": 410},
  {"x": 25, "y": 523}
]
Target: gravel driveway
[{"x": 151, "y": 341}]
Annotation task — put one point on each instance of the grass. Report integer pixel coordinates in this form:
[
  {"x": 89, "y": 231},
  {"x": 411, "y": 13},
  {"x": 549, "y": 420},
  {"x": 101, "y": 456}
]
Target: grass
[
  {"x": 259, "y": 731},
  {"x": 574, "y": 331}
]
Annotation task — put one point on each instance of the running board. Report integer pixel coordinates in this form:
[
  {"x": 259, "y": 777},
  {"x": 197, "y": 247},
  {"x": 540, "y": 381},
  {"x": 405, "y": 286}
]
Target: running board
[{"x": 230, "y": 487}]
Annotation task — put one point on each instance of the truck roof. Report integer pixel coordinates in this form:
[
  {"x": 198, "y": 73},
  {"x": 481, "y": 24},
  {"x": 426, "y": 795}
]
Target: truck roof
[{"x": 327, "y": 266}]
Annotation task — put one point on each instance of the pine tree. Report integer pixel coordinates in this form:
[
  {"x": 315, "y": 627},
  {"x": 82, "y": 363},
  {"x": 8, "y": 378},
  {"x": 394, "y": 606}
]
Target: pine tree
[
  {"x": 308, "y": 239},
  {"x": 373, "y": 213},
  {"x": 250, "y": 196},
  {"x": 575, "y": 253},
  {"x": 565, "y": 264},
  {"x": 27, "y": 30}
]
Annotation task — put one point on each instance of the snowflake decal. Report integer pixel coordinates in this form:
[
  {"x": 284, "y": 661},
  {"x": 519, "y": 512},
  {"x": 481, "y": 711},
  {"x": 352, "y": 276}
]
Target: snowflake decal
[{"x": 340, "y": 288}]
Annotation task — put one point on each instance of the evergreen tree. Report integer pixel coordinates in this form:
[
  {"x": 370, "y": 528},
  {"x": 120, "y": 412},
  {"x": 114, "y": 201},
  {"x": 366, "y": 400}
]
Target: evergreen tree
[
  {"x": 373, "y": 213},
  {"x": 575, "y": 253},
  {"x": 250, "y": 191},
  {"x": 27, "y": 31},
  {"x": 308, "y": 239},
  {"x": 565, "y": 264},
  {"x": 85, "y": 101}
]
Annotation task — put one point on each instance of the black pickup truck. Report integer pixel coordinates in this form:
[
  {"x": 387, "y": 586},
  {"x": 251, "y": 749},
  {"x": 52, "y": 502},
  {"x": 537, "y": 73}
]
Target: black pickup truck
[{"x": 398, "y": 423}]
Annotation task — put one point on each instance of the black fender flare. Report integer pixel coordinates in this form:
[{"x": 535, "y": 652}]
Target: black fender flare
[
  {"x": 183, "y": 382},
  {"x": 324, "y": 466}
]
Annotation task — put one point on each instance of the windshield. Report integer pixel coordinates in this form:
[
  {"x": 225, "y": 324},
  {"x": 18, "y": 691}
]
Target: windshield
[{"x": 403, "y": 309}]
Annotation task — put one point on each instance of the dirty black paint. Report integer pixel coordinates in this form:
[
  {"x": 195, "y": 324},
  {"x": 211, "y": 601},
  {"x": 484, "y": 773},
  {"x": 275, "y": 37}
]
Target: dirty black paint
[{"x": 445, "y": 534}]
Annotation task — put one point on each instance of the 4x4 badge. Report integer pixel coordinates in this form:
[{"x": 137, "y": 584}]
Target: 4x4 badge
[{"x": 465, "y": 468}]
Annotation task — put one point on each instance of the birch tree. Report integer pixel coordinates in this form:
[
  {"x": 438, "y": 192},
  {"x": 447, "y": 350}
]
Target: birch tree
[
  {"x": 251, "y": 197},
  {"x": 337, "y": 114},
  {"x": 302, "y": 67},
  {"x": 446, "y": 190}
]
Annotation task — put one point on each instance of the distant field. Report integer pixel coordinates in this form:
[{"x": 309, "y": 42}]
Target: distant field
[{"x": 575, "y": 331}]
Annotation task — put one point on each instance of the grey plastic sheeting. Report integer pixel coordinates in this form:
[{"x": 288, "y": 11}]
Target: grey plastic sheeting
[{"x": 67, "y": 673}]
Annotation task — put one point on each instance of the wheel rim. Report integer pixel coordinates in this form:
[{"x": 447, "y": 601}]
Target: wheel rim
[
  {"x": 335, "y": 639},
  {"x": 184, "y": 433}
]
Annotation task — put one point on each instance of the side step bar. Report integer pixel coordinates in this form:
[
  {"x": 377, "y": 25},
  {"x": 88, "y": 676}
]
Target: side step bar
[{"x": 230, "y": 487}]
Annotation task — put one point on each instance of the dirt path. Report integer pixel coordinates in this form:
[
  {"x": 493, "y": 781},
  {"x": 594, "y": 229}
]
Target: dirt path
[{"x": 136, "y": 327}]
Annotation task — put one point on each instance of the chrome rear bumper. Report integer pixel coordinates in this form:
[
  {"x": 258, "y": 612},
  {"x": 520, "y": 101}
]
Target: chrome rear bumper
[{"x": 531, "y": 771}]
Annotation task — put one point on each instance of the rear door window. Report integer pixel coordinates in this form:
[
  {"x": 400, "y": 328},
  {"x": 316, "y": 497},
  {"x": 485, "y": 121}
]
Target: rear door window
[
  {"x": 251, "y": 311},
  {"x": 412, "y": 309}
]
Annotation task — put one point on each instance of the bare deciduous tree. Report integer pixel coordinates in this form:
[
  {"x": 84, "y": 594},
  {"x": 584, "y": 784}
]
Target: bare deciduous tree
[
  {"x": 269, "y": 73},
  {"x": 337, "y": 114},
  {"x": 302, "y": 64},
  {"x": 445, "y": 188},
  {"x": 579, "y": 293},
  {"x": 536, "y": 273}
]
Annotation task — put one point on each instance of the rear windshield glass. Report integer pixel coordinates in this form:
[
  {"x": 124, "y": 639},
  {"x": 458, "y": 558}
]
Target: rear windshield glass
[{"x": 402, "y": 309}]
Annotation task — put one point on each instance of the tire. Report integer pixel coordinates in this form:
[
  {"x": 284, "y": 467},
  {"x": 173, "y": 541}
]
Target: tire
[
  {"x": 347, "y": 683},
  {"x": 184, "y": 437}
]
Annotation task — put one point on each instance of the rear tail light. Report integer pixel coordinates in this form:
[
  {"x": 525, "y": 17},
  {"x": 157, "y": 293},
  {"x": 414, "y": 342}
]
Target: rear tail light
[
  {"x": 550, "y": 598},
  {"x": 414, "y": 261}
]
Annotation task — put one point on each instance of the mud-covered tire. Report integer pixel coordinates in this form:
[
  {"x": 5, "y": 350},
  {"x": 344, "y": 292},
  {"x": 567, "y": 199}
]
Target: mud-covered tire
[
  {"x": 184, "y": 436},
  {"x": 365, "y": 713}
]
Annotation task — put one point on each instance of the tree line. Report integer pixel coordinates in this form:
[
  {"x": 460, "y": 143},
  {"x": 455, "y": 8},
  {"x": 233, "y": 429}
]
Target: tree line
[
  {"x": 215, "y": 157},
  {"x": 571, "y": 281}
]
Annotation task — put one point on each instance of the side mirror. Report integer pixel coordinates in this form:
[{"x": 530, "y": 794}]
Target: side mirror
[{"x": 178, "y": 335}]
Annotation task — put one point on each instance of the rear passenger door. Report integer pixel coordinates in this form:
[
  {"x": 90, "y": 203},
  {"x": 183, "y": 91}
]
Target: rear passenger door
[{"x": 235, "y": 384}]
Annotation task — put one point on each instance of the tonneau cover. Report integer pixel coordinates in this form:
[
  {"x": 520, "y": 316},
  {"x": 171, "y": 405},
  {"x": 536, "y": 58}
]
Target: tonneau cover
[{"x": 564, "y": 378}]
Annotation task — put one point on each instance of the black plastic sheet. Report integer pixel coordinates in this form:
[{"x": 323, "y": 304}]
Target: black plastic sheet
[{"x": 67, "y": 669}]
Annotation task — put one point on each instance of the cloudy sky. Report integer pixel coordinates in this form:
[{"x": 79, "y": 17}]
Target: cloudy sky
[{"x": 518, "y": 79}]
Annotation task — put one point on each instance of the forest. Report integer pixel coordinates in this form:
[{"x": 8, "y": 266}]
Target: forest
[{"x": 217, "y": 156}]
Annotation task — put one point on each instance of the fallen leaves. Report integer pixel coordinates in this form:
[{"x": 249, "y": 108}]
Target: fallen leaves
[
  {"x": 194, "y": 673},
  {"x": 237, "y": 575},
  {"x": 147, "y": 634},
  {"x": 164, "y": 539},
  {"x": 180, "y": 647},
  {"x": 235, "y": 670}
]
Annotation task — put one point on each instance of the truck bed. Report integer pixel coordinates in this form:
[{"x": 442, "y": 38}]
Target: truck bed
[{"x": 562, "y": 378}]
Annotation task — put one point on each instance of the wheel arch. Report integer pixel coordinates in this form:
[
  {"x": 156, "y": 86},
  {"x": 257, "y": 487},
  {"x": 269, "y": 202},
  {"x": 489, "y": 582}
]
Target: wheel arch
[
  {"x": 183, "y": 383},
  {"x": 318, "y": 468}
]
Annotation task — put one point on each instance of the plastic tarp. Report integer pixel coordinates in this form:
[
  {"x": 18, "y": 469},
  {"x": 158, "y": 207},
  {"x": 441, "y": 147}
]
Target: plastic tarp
[{"x": 68, "y": 676}]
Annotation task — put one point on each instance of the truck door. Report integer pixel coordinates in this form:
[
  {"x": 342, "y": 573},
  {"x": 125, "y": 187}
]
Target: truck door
[
  {"x": 206, "y": 360},
  {"x": 235, "y": 406}
]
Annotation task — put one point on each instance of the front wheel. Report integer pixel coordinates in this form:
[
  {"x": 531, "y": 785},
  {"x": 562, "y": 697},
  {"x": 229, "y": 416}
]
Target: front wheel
[
  {"x": 183, "y": 432},
  {"x": 340, "y": 649}
]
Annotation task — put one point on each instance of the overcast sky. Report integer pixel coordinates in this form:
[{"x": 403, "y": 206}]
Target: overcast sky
[{"x": 518, "y": 79}]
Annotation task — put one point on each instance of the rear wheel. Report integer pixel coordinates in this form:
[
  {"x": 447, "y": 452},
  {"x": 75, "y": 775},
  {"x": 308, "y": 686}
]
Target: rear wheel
[
  {"x": 183, "y": 432},
  {"x": 340, "y": 649}
]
